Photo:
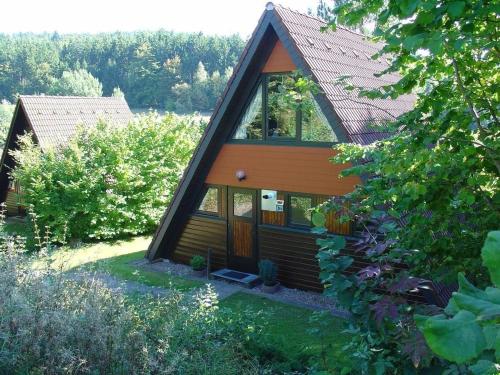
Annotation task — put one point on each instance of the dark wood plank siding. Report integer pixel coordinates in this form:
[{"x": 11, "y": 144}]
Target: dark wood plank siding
[
  {"x": 200, "y": 234},
  {"x": 242, "y": 238},
  {"x": 11, "y": 202},
  {"x": 295, "y": 255}
]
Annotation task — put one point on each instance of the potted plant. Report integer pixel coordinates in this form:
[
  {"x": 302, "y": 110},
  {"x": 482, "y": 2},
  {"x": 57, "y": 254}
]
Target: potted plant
[
  {"x": 268, "y": 272},
  {"x": 198, "y": 265}
]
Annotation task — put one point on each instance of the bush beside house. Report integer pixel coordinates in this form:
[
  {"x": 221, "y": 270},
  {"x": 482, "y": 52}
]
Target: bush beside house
[{"x": 109, "y": 181}]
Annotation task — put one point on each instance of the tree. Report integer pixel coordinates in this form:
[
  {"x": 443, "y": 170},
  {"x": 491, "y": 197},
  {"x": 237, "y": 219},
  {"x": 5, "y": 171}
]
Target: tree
[
  {"x": 6, "y": 111},
  {"x": 441, "y": 172},
  {"x": 430, "y": 192},
  {"x": 145, "y": 65},
  {"x": 118, "y": 93},
  {"x": 77, "y": 83}
]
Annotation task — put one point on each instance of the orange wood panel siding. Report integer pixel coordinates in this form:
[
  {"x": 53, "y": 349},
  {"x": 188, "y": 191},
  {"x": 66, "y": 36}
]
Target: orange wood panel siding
[
  {"x": 279, "y": 60},
  {"x": 242, "y": 238},
  {"x": 286, "y": 168}
]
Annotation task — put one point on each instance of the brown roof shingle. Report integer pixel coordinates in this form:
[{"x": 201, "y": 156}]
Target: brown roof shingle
[
  {"x": 55, "y": 119},
  {"x": 332, "y": 54}
]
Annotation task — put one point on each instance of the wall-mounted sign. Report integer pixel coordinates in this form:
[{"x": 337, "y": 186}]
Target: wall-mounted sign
[{"x": 280, "y": 203}]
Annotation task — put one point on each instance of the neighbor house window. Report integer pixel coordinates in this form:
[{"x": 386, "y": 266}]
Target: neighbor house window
[
  {"x": 275, "y": 114},
  {"x": 300, "y": 210},
  {"x": 211, "y": 202}
]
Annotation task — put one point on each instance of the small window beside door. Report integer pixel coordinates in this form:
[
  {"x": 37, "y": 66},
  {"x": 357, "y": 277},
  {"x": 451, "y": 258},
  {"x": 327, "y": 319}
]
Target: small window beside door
[{"x": 210, "y": 205}]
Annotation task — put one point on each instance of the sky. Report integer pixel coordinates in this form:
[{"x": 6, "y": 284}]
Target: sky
[{"x": 221, "y": 17}]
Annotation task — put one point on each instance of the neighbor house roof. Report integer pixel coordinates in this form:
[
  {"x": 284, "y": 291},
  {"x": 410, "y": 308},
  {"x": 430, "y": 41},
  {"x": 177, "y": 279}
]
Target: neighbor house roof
[
  {"x": 333, "y": 54},
  {"x": 55, "y": 119}
]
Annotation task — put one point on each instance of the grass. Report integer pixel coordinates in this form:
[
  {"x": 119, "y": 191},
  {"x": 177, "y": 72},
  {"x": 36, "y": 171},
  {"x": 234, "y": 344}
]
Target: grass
[
  {"x": 291, "y": 335},
  {"x": 115, "y": 257}
]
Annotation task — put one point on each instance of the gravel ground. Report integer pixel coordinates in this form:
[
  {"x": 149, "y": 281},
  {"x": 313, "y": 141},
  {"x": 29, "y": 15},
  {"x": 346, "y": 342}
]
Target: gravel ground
[{"x": 310, "y": 300}]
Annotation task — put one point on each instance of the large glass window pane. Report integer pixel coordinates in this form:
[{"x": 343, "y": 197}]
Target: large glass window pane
[
  {"x": 250, "y": 126},
  {"x": 281, "y": 111},
  {"x": 243, "y": 205},
  {"x": 210, "y": 202},
  {"x": 300, "y": 210},
  {"x": 315, "y": 126}
]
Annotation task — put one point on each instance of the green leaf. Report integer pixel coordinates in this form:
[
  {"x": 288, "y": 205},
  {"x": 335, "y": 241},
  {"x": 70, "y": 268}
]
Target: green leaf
[
  {"x": 491, "y": 256},
  {"x": 408, "y": 6},
  {"x": 456, "y": 8},
  {"x": 465, "y": 287},
  {"x": 459, "y": 339},
  {"x": 413, "y": 42},
  {"x": 318, "y": 219},
  {"x": 484, "y": 367}
]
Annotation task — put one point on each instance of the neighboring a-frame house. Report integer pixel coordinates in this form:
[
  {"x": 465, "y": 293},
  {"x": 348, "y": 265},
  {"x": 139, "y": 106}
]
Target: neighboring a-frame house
[
  {"x": 262, "y": 163},
  {"x": 52, "y": 120}
]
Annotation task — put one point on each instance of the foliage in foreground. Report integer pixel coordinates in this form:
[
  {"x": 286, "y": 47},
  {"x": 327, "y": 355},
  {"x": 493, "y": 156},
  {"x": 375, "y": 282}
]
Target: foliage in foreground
[
  {"x": 430, "y": 193},
  {"x": 468, "y": 333},
  {"x": 57, "y": 324},
  {"x": 109, "y": 181}
]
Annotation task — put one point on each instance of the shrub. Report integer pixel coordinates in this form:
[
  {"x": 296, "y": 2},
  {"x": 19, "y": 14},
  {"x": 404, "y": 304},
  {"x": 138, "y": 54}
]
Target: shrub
[
  {"x": 198, "y": 263},
  {"x": 268, "y": 272},
  {"x": 52, "y": 323},
  {"x": 468, "y": 333},
  {"x": 108, "y": 181}
]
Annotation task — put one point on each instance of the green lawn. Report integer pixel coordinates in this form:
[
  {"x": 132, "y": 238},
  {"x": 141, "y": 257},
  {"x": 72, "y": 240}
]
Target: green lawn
[
  {"x": 290, "y": 335},
  {"x": 115, "y": 257}
]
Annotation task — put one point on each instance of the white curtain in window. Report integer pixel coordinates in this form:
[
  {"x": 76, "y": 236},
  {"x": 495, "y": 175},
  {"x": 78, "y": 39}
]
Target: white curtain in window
[{"x": 251, "y": 113}]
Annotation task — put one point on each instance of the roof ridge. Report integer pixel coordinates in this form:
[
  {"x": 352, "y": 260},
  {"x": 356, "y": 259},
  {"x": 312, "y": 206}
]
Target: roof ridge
[
  {"x": 69, "y": 97},
  {"x": 317, "y": 19}
]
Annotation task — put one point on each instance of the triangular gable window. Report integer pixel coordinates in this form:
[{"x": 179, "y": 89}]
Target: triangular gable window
[
  {"x": 250, "y": 125},
  {"x": 300, "y": 122},
  {"x": 315, "y": 126}
]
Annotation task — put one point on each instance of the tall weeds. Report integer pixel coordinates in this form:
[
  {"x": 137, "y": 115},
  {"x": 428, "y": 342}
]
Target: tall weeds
[{"x": 53, "y": 323}]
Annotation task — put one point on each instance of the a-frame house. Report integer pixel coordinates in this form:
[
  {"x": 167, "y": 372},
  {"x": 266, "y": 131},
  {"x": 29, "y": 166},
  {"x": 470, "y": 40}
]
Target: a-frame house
[
  {"x": 52, "y": 121},
  {"x": 262, "y": 162}
]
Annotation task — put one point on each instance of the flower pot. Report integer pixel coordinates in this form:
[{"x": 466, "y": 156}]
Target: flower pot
[
  {"x": 270, "y": 288},
  {"x": 200, "y": 273}
]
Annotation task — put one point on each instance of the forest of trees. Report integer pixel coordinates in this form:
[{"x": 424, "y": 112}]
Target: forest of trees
[{"x": 164, "y": 70}]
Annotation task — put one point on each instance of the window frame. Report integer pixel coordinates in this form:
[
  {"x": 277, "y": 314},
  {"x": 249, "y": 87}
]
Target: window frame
[
  {"x": 219, "y": 212},
  {"x": 295, "y": 141}
]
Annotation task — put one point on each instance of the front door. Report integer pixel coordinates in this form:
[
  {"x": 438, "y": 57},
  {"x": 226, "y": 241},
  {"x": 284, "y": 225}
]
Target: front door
[{"x": 242, "y": 215}]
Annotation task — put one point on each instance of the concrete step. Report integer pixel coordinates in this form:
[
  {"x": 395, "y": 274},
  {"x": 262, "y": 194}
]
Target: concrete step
[{"x": 247, "y": 280}]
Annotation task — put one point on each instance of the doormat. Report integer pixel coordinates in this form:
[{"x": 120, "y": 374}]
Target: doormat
[{"x": 235, "y": 275}]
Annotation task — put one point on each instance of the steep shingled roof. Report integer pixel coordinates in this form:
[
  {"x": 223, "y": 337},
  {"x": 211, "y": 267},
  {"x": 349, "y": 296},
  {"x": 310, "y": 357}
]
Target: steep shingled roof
[
  {"x": 332, "y": 54},
  {"x": 55, "y": 119}
]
